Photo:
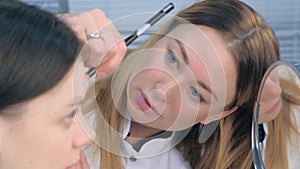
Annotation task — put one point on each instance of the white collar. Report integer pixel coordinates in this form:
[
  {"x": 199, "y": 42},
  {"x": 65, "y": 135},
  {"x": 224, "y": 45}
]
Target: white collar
[
  {"x": 151, "y": 148},
  {"x": 126, "y": 128}
]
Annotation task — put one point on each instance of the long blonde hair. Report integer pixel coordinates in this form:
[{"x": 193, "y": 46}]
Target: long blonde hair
[{"x": 110, "y": 120}]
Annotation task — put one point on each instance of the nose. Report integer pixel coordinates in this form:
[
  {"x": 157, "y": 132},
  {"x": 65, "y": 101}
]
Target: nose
[
  {"x": 168, "y": 87},
  {"x": 83, "y": 134}
]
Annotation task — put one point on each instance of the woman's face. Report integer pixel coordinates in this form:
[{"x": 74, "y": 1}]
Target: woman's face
[
  {"x": 271, "y": 98},
  {"x": 46, "y": 134},
  {"x": 186, "y": 78}
]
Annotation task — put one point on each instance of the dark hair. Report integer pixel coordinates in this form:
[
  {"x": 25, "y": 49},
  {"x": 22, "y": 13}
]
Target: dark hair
[{"x": 36, "y": 52}]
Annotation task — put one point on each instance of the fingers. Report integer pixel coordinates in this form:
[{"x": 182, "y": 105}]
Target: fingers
[
  {"x": 111, "y": 60},
  {"x": 76, "y": 23},
  {"x": 109, "y": 50},
  {"x": 109, "y": 47}
]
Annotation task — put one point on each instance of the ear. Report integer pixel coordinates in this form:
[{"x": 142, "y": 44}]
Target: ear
[
  {"x": 228, "y": 112},
  {"x": 218, "y": 116}
]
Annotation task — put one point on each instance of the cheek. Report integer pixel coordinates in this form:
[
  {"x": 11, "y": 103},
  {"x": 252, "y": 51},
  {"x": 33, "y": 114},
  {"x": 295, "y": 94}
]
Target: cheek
[
  {"x": 36, "y": 146},
  {"x": 267, "y": 117},
  {"x": 183, "y": 115},
  {"x": 271, "y": 91},
  {"x": 204, "y": 116},
  {"x": 174, "y": 107}
]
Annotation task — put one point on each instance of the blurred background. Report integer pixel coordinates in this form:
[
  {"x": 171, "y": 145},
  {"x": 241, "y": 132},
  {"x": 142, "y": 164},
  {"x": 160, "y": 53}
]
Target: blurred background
[{"x": 128, "y": 15}]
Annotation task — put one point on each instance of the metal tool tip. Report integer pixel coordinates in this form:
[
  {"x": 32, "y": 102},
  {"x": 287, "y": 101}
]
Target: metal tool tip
[{"x": 168, "y": 8}]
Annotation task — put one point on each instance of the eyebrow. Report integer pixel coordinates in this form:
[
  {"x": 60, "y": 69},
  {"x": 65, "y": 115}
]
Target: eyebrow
[
  {"x": 186, "y": 60},
  {"x": 183, "y": 51}
]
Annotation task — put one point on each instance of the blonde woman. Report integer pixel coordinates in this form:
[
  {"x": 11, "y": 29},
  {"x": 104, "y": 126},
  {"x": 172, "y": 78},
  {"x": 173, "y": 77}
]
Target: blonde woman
[
  {"x": 279, "y": 111},
  {"x": 202, "y": 66}
]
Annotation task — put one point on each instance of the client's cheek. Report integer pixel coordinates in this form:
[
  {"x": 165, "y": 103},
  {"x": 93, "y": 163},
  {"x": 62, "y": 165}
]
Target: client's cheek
[{"x": 271, "y": 91}]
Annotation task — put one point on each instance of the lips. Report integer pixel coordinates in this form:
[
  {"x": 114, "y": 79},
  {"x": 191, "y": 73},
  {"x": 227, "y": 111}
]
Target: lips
[{"x": 145, "y": 105}]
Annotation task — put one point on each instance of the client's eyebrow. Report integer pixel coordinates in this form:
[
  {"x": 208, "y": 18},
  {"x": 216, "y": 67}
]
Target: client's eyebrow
[
  {"x": 186, "y": 60},
  {"x": 183, "y": 51}
]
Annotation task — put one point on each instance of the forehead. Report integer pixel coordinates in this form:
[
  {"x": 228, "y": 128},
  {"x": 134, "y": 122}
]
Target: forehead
[
  {"x": 60, "y": 95},
  {"x": 203, "y": 41},
  {"x": 60, "y": 98}
]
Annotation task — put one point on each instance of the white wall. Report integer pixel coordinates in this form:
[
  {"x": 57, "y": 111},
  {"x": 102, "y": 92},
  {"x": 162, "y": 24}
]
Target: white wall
[{"x": 283, "y": 15}]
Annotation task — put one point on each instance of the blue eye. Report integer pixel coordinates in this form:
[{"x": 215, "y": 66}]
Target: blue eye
[
  {"x": 172, "y": 58},
  {"x": 196, "y": 94}
]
